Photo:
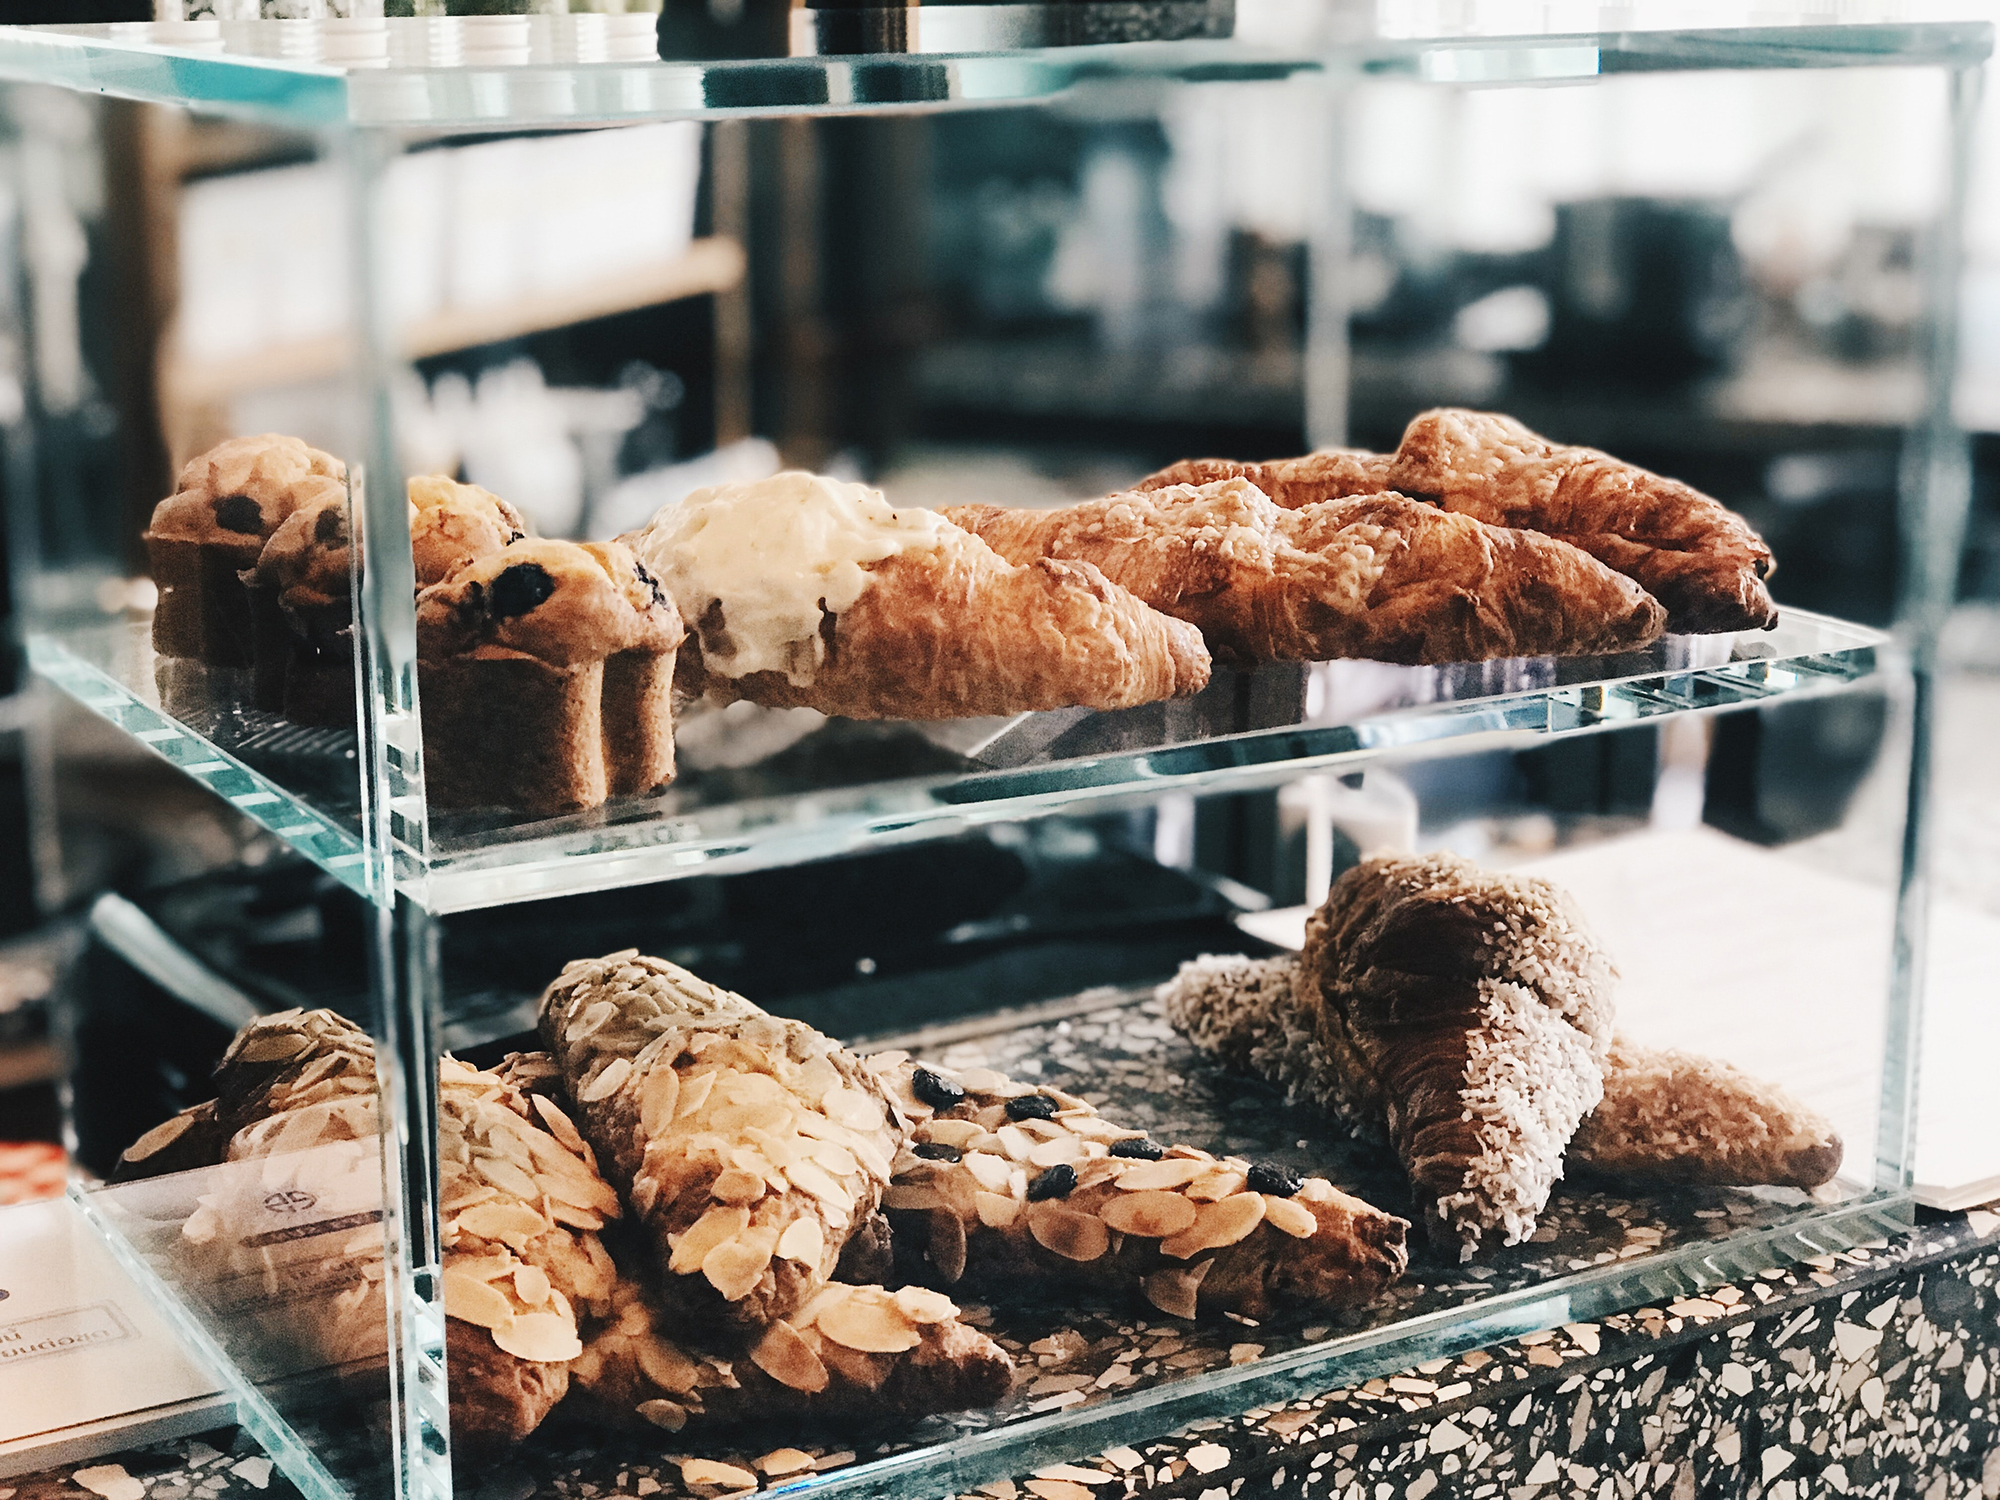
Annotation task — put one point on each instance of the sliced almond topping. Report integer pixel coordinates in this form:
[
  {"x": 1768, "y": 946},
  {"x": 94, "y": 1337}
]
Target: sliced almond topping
[
  {"x": 996, "y": 1210},
  {"x": 1167, "y": 1172},
  {"x": 545, "y": 1337},
  {"x": 1016, "y": 1142},
  {"x": 670, "y": 1415},
  {"x": 947, "y": 1244},
  {"x": 575, "y": 1218},
  {"x": 706, "y": 1473},
  {"x": 471, "y": 1299},
  {"x": 1050, "y": 1153},
  {"x": 275, "y": 1046},
  {"x": 694, "y": 1094},
  {"x": 983, "y": 1081},
  {"x": 1067, "y": 1233},
  {"x": 1290, "y": 1216},
  {"x": 803, "y": 1241},
  {"x": 957, "y": 1133},
  {"x": 922, "y": 1305},
  {"x": 1317, "y": 1190},
  {"x": 160, "y": 1136},
  {"x": 507, "y": 1177},
  {"x": 852, "y": 1108},
  {"x": 590, "y": 1021},
  {"x": 666, "y": 1366},
  {"x": 1220, "y": 1223},
  {"x": 1173, "y": 1289},
  {"x": 1189, "y": 1153},
  {"x": 560, "y": 1125},
  {"x": 737, "y": 1186},
  {"x": 819, "y": 1182},
  {"x": 606, "y": 1083},
  {"x": 1153, "y": 1215},
  {"x": 1217, "y": 1184},
  {"x": 710, "y": 1230},
  {"x": 989, "y": 1171},
  {"x": 531, "y": 1285},
  {"x": 789, "y": 1359},
  {"x": 835, "y": 1157},
  {"x": 912, "y": 1196},
  {"x": 781, "y": 1461},
  {"x": 658, "y": 1099},
  {"x": 735, "y": 1268},
  {"x": 869, "y": 1321},
  {"x": 510, "y": 1223},
  {"x": 481, "y": 1267}
]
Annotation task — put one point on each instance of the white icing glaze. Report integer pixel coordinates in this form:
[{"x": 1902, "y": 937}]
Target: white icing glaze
[{"x": 776, "y": 553}]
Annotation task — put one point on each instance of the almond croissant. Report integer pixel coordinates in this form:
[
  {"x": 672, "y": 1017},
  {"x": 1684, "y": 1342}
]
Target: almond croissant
[{"x": 1382, "y": 577}]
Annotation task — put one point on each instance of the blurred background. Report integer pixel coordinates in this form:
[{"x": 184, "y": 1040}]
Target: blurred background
[{"x": 1719, "y": 277}]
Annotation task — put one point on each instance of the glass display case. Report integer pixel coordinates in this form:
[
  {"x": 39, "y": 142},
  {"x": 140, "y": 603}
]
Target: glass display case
[{"x": 313, "y": 1271}]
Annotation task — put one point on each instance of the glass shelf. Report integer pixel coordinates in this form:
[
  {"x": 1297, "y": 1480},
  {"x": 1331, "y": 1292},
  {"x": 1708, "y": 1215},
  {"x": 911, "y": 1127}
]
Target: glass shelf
[
  {"x": 760, "y": 788},
  {"x": 957, "y": 55}
]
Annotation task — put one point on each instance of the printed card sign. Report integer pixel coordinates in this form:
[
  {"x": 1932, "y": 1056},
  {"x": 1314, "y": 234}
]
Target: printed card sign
[{"x": 87, "y": 1365}]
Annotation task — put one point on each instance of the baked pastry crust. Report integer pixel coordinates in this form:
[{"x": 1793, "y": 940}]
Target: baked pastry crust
[
  {"x": 1383, "y": 577},
  {"x": 1001, "y": 1179},
  {"x": 749, "y": 1147},
  {"x": 452, "y": 524},
  {"x": 1294, "y": 483}
]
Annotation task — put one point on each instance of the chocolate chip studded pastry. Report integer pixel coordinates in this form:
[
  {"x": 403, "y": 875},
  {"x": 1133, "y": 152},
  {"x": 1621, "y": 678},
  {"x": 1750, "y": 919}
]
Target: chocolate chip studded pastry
[
  {"x": 1001, "y": 1179},
  {"x": 749, "y": 1147},
  {"x": 303, "y": 616},
  {"x": 1383, "y": 577},
  {"x": 226, "y": 505},
  {"x": 1673, "y": 1117},
  {"x": 546, "y": 674},
  {"x": 452, "y": 524},
  {"x": 1469, "y": 1012},
  {"x": 802, "y": 591},
  {"x": 853, "y": 1355},
  {"x": 519, "y": 1193}
]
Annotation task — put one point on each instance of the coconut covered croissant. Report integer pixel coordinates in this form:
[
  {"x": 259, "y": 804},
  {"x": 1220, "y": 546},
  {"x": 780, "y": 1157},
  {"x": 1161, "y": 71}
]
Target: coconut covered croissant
[
  {"x": 801, "y": 591},
  {"x": 1695, "y": 555},
  {"x": 1003, "y": 1179},
  {"x": 1381, "y": 577}
]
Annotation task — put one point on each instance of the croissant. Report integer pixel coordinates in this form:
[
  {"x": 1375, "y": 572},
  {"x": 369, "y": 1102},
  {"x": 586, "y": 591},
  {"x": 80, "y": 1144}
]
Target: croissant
[
  {"x": 1696, "y": 556},
  {"x": 1382, "y": 577},
  {"x": 1469, "y": 1012},
  {"x": 805, "y": 593},
  {"x": 1666, "y": 1116}
]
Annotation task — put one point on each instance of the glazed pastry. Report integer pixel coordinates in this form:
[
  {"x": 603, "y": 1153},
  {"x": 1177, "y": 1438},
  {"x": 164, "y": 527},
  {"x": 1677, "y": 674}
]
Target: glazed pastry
[
  {"x": 853, "y": 1355},
  {"x": 1294, "y": 483},
  {"x": 749, "y": 1147},
  {"x": 1666, "y": 1116},
  {"x": 801, "y": 591},
  {"x": 546, "y": 674},
  {"x": 1470, "y": 1012},
  {"x": 303, "y": 615},
  {"x": 1384, "y": 578},
  {"x": 452, "y": 524},
  {"x": 1001, "y": 1179},
  {"x": 520, "y": 1196},
  {"x": 1673, "y": 1117},
  {"x": 226, "y": 505}
]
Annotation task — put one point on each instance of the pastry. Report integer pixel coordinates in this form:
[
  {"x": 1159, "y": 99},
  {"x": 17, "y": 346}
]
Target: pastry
[
  {"x": 1700, "y": 559},
  {"x": 452, "y": 524},
  {"x": 749, "y": 1147},
  {"x": 1470, "y": 1012},
  {"x": 801, "y": 591},
  {"x": 519, "y": 1194},
  {"x": 1002, "y": 1179},
  {"x": 1674, "y": 1117},
  {"x": 226, "y": 505},
  {"x": 302, "y": 609},
  {"x": 852, "y": 1355},
  {"x": 1381, "y": 577},
  {"x": 546, "y": 676}
]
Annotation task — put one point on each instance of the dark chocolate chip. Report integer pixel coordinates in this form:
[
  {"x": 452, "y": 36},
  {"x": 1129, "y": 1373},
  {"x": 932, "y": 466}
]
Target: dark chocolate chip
[
  {"x": 659, "y": 594},
  {"x": 518, "y": 589},
  {"x": 331, "y": 526},
  {"x": 1139, "y": 1149},
  {"x": 1269, "y": 1177},
  {"x": 1032, "y": 1107},
  {"x": 1058, "y": 1182},
  {"x": 936, "y": 1151},
  {"x": 239, "y": 513},
  {"x": 936, "y": 1090}
]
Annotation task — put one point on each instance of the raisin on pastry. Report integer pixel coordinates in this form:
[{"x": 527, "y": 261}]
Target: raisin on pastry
[{"x": 546, "y": 677}]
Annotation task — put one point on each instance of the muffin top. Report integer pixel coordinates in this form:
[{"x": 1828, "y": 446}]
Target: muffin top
[
  {"x": 306, "y": 559},
  {"x": 242, "y": 490},
  {"x": 567, "y": 603},
  {"x": 453, "y": 523}
]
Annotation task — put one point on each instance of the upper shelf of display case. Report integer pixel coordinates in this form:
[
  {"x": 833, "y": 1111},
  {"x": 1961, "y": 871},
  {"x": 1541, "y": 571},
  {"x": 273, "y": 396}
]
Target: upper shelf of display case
[{"x": 504, "y": 72}]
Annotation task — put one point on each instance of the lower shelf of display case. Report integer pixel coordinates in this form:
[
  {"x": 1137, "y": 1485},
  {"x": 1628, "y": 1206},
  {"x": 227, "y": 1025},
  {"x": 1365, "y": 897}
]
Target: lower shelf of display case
[
  {"x": 763, "y": 788},
  {"x": 1099, "y": 1369}
]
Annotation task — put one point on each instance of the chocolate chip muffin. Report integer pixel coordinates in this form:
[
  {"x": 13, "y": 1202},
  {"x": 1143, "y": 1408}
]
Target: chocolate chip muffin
[
  {"x": 546, "y": 676},
  {"x": 228, "y": 503},
  {"x": 302, "y": 616},
  {"x": 451, "y": 524}
]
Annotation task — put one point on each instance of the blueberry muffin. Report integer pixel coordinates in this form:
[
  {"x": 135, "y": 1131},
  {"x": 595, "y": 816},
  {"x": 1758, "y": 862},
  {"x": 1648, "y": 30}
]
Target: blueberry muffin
[
  {"x": 302, "y": 613},
  {"x": 227, "y": 504},
  {"x": 451, "y": 524},
  {"x": 546, "y": 676}
]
